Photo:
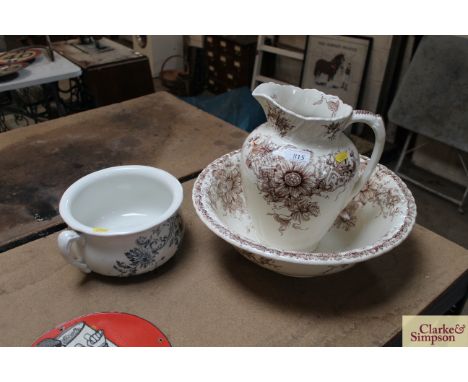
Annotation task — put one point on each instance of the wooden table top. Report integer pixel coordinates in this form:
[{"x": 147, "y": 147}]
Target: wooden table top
[
  {"x": 208, "y": 294},
  {"x": 39, "y": 162}
]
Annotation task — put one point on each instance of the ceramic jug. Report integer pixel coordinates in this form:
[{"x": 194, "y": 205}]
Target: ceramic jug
[{"x": 299, "y": 170}]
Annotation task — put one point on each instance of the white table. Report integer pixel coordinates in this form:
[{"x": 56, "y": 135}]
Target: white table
[{"x": 43, "y": 71}]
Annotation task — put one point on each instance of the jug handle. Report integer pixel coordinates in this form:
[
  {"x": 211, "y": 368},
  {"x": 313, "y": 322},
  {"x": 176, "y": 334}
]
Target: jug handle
[
  {"x": 65, "y": 240},
  {"x": 375, "y": 122}
]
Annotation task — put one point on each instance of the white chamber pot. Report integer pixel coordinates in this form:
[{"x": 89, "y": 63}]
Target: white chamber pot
[{"x": 123, "y": 220}]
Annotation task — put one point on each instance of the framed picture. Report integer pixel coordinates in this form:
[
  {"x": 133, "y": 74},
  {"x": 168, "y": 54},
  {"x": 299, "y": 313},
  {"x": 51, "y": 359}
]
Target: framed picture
[{"x": 337, "y": 65}]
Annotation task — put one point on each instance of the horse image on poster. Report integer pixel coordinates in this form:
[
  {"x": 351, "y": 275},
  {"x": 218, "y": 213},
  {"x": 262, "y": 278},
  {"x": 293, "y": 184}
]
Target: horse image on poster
[{"x": 333, "y": 73}]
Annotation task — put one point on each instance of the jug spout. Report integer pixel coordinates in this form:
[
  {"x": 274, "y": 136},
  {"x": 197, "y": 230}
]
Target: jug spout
[{"x": 288, "y": 107}]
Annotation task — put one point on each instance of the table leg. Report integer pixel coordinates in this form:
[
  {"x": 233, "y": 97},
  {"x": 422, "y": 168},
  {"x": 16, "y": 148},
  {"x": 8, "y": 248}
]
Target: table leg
[
  {"x": 3, "y": 125},
  {"x": 6, "y": 100},
  {"x": 51, "y": 91},
  {"x": 56, "y": 97}
]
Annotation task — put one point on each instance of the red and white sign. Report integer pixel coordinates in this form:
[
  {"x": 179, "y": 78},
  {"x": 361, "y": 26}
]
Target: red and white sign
[{"x": 104, "y": 329}]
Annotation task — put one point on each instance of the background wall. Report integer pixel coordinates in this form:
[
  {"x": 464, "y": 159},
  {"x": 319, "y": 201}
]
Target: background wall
[
  {"x": 289, "y": 70},
  {"x": 2, "y": 43},
  {"x": 375, "y": 71}
]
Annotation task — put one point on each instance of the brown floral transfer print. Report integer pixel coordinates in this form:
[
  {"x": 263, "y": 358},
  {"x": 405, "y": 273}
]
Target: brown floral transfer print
[
  {"x": 348, "y": 217},
  {"x": 333, "y": 105},
  {"x": 278, "y": 119},
  {"x": 318, "y": 102},
  {"x": 386, "y": 199},
  {"x": 258, "y": 149},
  {"x": 203, "y": 205},
  {"x": 227, "y": 187},
  {"x": 260, "y": 260},
  {"x": 332, "y": 129},
  {"x": 286, "y": 180},
  {"x": 291, "y": 186}
]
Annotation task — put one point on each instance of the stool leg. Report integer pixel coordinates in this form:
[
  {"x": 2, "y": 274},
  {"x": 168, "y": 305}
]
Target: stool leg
[
  {"x": 462, "y": 203},
  {"x": 465, "y": 195},
  {"x": 403, "y": 152}
]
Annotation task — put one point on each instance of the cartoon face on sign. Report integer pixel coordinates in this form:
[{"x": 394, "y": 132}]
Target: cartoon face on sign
[
  {"x": 104, "y": 330},
  {"x": 79, "y": 335}
]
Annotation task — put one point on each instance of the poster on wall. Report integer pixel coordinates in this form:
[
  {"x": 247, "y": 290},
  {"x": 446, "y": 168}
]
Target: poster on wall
[{"x": 337, "y": 65}]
